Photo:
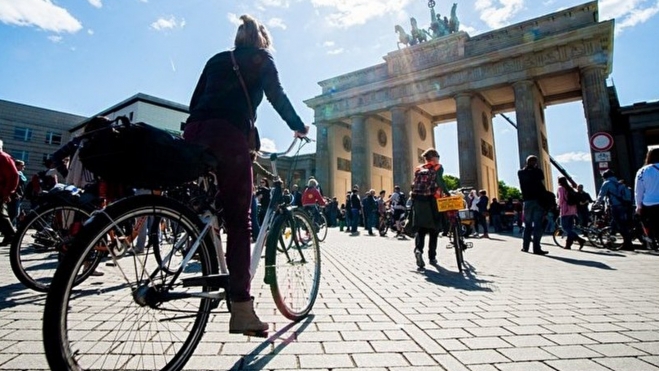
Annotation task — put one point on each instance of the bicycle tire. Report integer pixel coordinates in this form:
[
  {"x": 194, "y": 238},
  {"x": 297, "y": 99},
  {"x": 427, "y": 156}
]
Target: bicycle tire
[
  {"x": 560, "y": 239},
  {"x": 457, "y": 245},
  {"x": 322, "y": 228},
  {"x": 116, "y": 332},
  {"x": 296, "y": 227},
  {"x": 611, "y": 241},
  {"x": 34, "y": 258}
]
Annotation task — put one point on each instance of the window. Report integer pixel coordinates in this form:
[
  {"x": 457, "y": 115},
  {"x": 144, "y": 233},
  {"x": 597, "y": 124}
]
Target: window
[
  {"x": 21, "y": 155},
  {"x": 23, "y": 134},
  {"x": 53, "y": 138}
]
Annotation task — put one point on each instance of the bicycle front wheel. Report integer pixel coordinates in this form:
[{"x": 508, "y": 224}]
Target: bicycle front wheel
[
  {"x": 40, "y": 242},
  {"x": 293, "y": 264},
  {"x": 138, "y": 316},
  {"x": 322, "y": 227},
  {"x": 560, "y": 237},
  {"x": 458, "y": 245}
]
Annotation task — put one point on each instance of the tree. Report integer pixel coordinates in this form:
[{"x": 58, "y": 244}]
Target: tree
[
  {"x": 452, "y": 182},
  {"x": 506, "y": 191}
]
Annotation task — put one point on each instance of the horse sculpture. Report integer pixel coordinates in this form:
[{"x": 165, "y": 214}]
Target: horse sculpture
[
  {"x": 403, "y": 37},
  {"x": 454, "y": 23},
  {"x": 418, "y": 35}
]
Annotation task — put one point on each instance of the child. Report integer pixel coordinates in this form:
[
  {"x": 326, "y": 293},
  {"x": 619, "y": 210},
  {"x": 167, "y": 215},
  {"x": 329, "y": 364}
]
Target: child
[{"x": 342, "y": 217}]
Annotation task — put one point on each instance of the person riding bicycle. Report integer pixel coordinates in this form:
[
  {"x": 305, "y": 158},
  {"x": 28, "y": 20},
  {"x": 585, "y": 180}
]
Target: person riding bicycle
[
  {"x": 311, "y": 198},
  {"x": 222, "y": 111}
]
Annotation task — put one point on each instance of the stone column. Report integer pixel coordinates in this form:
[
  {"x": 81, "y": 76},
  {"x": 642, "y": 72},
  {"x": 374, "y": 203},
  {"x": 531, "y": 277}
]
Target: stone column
[
  {"x": 323, "y": 162},
  {"x": 598, "y": 111},
  {"x": 400, "y": 143},
  {"x": 360, "y": 171},
  {"x": 527, "y": 125},
  {"x": 639, "y": 149},
  {"x": 466, "y": 141}
]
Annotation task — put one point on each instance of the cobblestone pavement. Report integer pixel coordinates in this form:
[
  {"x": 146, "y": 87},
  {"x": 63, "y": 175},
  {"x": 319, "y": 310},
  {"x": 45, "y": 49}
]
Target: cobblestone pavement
[{"x": 570, "y": 310}]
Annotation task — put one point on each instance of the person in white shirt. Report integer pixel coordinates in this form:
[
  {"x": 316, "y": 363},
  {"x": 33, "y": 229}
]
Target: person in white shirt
[{"x": 647, "y": 192}]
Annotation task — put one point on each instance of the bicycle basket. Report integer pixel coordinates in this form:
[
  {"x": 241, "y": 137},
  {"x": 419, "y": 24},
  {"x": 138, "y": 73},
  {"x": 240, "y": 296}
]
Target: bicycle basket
[
  {"x": 144, "y": 156},
  {"x": 451, "y": 203}
]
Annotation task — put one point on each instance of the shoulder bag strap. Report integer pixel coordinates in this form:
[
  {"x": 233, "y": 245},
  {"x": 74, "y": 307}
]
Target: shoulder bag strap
[{"x": 236, "y": 69}]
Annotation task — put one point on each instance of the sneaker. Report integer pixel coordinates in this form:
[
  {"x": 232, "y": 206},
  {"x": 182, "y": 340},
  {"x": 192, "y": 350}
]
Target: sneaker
[
  {"x": 419, "y": 259},
  {"x": 541, "y": 252},
  {"x": 97, "y": 273}
]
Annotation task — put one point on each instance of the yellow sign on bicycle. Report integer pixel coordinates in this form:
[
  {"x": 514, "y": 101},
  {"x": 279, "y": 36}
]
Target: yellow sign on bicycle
[{"x": 451, "y": 203}]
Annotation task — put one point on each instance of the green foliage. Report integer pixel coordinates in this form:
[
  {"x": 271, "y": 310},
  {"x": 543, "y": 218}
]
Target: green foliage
[
  {"x": 506, "y": 192},
  {"x": 452, "y": 182}
]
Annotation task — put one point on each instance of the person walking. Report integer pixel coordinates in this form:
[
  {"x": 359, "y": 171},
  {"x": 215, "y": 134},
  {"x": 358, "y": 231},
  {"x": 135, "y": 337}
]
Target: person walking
[
  {"x": 370, "y": 208},
  {"x": 222, "y": 111},
  {"x": 495, "y": 211},
  {"x": 355, "y": 210},
  {"x": 568, "y": 212},
  {"x": 531, "y": 182},
  {"x": 646, "y": 193},
  {"x": 617, "y": 196},
  {"x": 481, "y": 205},
  {"x": 8, "y": 183},
  {"x": 14, "y": 206},
  {"x": 428, "y": 183}
]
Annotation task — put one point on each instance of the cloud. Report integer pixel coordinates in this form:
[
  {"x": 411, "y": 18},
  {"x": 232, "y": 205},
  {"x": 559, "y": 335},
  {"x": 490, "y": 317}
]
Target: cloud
[
  {"x": 268, "y": 145},
  {"x": 573, "y": 157},
  {"x": 168, "y": 24},
  {"x": 630, "y": 17},
  {"x": 276, "y": 23},
  {"x": 347, "y": 13},
  {"x": 96, "y": 3},
  {"x": 498, "y": 13},
  {"x": 328, "y": 44},
  {"x": 275, "y": 3},
  {"x": 55, "y": 38},
  {"x": 335, "y": 51},
  {"x": 42, "y": 14}
]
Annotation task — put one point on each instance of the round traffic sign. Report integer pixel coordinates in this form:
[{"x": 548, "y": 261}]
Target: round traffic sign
[{"x": 601, "y": 141}]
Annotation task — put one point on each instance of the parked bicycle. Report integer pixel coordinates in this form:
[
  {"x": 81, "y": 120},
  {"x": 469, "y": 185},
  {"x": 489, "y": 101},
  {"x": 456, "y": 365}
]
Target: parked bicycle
[{"x": 151, "y": 313}]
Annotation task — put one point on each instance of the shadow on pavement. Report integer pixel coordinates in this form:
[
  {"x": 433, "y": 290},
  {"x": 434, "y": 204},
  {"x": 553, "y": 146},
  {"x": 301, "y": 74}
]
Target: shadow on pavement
[
  {"x": 17, "y": 294},
  {"x": 255, "y": 360},
  {"x": 466, "y": 280},
  {"x": 585, "y": 263}
]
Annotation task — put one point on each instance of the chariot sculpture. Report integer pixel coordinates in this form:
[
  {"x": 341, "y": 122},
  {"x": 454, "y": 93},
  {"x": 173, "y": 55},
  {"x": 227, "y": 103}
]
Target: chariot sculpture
[{"x": 439, "y": 27}]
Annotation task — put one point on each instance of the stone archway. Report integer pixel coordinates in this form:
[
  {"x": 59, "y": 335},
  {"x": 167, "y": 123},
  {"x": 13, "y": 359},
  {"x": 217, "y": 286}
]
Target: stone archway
[{"x": 561, "y": 57}]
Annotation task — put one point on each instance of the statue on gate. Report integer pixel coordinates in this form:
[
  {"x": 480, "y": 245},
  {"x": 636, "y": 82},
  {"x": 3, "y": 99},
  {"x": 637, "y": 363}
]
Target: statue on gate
[
  {"x": 454, "y": 23},
  {"x": 439, "y": 27}
]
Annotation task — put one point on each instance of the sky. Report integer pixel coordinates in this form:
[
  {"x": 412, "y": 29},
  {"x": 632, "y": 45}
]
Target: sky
[{"x": 83, "y": 56}]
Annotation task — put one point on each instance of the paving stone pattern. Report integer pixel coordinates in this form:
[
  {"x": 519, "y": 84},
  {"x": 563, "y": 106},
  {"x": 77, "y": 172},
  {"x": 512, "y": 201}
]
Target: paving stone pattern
[{"x": 570, "y": 310}]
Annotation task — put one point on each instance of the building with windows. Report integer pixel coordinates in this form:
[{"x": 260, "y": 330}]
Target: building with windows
[{"x": 32, "y": 133}]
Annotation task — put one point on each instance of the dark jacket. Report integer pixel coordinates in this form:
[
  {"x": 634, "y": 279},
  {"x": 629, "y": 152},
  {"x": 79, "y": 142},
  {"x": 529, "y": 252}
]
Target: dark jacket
[
  {"x": 219, "y": 94},
  {"x": 355, "y": 202},
  {"x": 531, "y": 183}
]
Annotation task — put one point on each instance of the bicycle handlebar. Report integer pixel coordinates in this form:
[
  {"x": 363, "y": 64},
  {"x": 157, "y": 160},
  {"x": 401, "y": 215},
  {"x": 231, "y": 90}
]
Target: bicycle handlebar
[{"x": 264, "y": 154}]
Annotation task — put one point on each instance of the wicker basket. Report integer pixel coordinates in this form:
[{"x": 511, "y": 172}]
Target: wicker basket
[{"x": 451, "y": 203}]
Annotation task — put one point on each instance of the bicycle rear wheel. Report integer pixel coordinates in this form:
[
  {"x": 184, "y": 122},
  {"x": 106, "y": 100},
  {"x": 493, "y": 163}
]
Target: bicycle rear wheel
[
  {"x": 292, "y": 266},
  {"x": 458, "y": 245},
  {"x": 611, "y": 239},
  {"x": 41, "y": 241},
  {"x": 138, "y": 316}
]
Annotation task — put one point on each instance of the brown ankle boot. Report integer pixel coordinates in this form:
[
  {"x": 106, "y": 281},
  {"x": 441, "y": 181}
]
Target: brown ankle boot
[{"x": 245, "y": 321}]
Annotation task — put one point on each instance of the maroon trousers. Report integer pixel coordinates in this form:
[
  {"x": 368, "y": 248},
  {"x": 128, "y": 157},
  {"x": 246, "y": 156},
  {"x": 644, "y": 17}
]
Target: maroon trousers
[{"x": 234, "y": 176}]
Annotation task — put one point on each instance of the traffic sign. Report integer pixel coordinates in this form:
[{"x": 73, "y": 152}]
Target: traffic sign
[
  {"x": 602, "y": 156},
  {"x": 601, "y": 141}
]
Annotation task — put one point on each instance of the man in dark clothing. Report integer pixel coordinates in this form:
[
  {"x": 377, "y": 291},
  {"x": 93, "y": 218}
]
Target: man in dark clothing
[
  {"x": 531, "y": 181},
  {"x": 355, "y": 209},
  {"x": 582, "y": 206},
  {"x": 297, "y": 196},
  {"x": 495, "y": 211},
  {"x": 370, "y": 207}
]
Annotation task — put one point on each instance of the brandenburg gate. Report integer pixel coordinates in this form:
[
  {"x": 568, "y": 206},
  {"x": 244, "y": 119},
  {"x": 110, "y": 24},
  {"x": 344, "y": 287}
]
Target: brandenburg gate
[{"x": 373, "y": 124}]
